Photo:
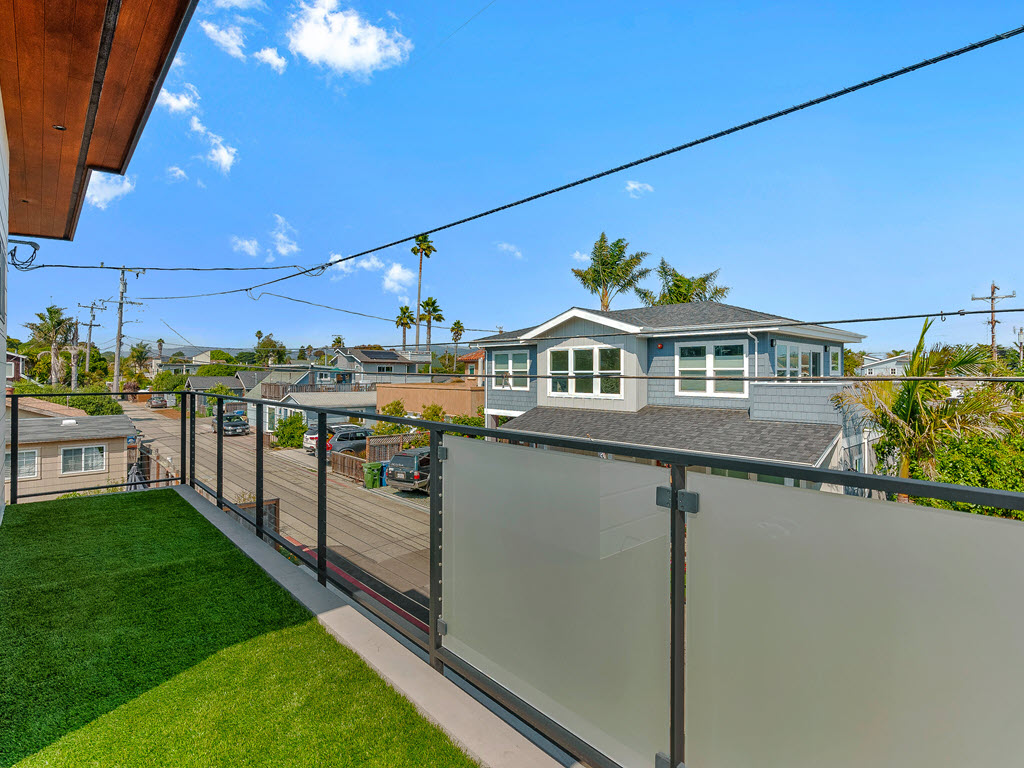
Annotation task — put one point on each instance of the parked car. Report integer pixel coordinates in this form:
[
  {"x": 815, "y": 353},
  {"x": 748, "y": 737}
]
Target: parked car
[
  {"x": 158, "y": 401},
  {"x": 349, "y": 440},
  {"x": 309, "y": 439},
  {"x": 234, "y": 424},
  {"x": 409, "y": 470}
]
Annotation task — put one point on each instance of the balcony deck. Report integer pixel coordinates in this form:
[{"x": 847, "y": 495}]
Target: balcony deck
[{"x": 130, "y": 613}]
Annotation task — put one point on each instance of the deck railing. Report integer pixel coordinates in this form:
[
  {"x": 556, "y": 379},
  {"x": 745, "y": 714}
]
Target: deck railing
[{"x": 588, "y": 559}]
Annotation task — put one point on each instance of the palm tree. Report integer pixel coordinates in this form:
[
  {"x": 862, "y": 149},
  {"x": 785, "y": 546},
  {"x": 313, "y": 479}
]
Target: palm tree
[
  {"x": 424, "y": 248},
  {"x": 338, "y": 341},
  {"x": 160, "y": 349},
  {"x": 677, "y": 288},
  {"x": 611, "y": 271},
  {"x": 53, "y": 329},
  {"x": 138, "y": 355},
  {"x": 457, "y": 330},
  {"x": 404, "y": 321},
  {"x": 915, "y": 417},
  {"x": 430, "y": 313},
  {"x": 259, "y": 336}
]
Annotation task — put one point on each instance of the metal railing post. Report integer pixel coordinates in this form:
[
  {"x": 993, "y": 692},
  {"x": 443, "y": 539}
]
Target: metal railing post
[
  {"x": 14, "y": 449},
  {"x": 436, "y": 470},
  {"x": 677, "y": 632},
  {"x": 321, "y": 498},
  {"x": 259, "y": 470},
  {"x": 183, "y": 413},
  {"x": 191, "y": 436},
  {"x": 219, "y": 425}
]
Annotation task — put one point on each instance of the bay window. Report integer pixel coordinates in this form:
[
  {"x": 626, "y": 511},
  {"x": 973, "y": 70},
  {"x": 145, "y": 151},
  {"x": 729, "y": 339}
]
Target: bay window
[
  {"x": 510, "y": 370},
  {"x": 722, "y": 360},
  {"x": 89, "y": 458},
  {"x": 585, "y": 372}
]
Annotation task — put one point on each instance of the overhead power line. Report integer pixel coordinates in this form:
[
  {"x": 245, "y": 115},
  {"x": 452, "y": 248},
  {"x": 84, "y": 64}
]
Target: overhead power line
[
  {"x": 634, "y": 163},
  {"x": 154, "y": 269}
]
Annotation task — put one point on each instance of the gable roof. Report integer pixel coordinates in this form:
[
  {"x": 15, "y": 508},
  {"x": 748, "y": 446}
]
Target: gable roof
[
  {"x": 249, "y": 379},
  {"x": 209, "y": 382},
  {"x": 669, "y": 317},
  {"x": 46, "y": 408},
  {"x": 284, "y": 377},
  {"x": 472, "y": 356},
  {"x": 723, "y": 431},
  {"x": 333, "y": 399},
  {"x": 905, "y": 357},
  {"x": 382, "y": 356}
]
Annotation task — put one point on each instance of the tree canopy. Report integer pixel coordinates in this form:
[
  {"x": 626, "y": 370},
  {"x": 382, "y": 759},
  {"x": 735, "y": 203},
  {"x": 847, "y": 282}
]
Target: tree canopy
[
  {"x": 677, "y": 288},
  {"x": 612, "y": 271}
]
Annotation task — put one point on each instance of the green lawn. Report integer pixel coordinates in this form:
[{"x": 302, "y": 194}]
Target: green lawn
[{"x": 132, "y": 633}]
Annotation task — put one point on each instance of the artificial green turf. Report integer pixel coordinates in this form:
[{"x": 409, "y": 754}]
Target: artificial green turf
[{"x": 132, "y": 633}]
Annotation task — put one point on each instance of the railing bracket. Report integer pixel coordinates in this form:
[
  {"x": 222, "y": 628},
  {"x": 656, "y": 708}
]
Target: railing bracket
[
  {"x": 442, "y": 626},
  {"x": 686, "y": 501},
  {"x": 442, "y": 453}
]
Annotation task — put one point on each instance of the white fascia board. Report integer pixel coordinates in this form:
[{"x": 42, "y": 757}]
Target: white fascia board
[
  {"x": 502, "y": 412},
  {"x": 818, "y": 332},
  {"x": 581, "y": 314}
]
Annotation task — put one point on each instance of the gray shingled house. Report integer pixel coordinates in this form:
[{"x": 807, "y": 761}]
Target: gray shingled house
[{"x": 563, "y": 377}]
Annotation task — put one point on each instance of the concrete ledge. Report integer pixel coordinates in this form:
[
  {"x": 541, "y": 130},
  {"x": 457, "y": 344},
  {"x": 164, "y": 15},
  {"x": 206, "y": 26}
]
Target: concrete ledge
[{"x": 480, "y": 733}]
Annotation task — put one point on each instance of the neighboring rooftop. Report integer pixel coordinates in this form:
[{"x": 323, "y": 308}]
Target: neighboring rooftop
[
  {"x": 46, "y": 408},
  {"x": 472, "y": 357},
  {"x": 208, "y": 382},
  {"x": 375, "y": 355},
  {"x": 333, "y": 399},
  {"x": 56, "y": 429},
  {"x": 724, "y": 431},
  {"x": 250, "y": 379}
]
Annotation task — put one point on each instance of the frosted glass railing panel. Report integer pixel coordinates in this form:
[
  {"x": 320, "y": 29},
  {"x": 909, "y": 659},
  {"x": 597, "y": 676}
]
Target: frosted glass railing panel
[
  {"x": 829, "y": 630},
  {"x": 556, "y": 585}
]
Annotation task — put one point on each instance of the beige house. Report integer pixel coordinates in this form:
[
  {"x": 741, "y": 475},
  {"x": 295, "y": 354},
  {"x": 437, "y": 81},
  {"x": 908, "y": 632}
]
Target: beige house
[
  {"x": 57, "y": 455},
  {"x": 458, "y": 398}
]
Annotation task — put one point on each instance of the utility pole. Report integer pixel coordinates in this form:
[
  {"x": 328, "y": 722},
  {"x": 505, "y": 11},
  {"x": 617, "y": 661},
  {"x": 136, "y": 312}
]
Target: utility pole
[
  {"x": 1020, "y": 343},
  {"x": 121, "y": 301},
  {"x": 992, "y": 299},
  {"x": 92, "y": 324},
  {"x": 74, "y": 358}
]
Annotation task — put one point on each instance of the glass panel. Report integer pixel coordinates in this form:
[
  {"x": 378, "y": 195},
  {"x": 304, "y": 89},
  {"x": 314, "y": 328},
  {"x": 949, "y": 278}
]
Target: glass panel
[
  {"x": 559, "y": 590},
  {"x": 693, "y": 357},
  {"x": 794, "y": 360},
  {"x": 610, "y": 359},
  {"x": 728, "y": 354},
  {"x": 520, "y": 361},
  {"x": 93, "y": 459},
  {"x": 585, "y": 385},
  {"x": 805, "y": 363},
  {"x": 837, "y": 364},
  {"x": 71, "y": 460},
  {"x": 7, "y": 465},
  {"x": 610, "y": 386},
  {"x": 729, "y": 386},
  {"x": 831, "y": 630},
  {"x": 815, "y": 363},
  {"x": 560, "y": 384},
  {"x": 559, "y": 360},
  {"x": 780, "y": 359},
  {"x": 583, "y": 359},
  {"x": 27, "y": 463},
  {"x": 500, "y": 361}
]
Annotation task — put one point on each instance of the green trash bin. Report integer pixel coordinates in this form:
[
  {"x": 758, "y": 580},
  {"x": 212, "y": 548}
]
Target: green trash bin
[{"x": 371, "y": 474}]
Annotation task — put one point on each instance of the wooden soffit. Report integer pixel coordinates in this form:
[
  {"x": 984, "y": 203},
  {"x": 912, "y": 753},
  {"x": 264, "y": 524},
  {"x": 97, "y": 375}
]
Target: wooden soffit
[{"x": 78, "y": 79}]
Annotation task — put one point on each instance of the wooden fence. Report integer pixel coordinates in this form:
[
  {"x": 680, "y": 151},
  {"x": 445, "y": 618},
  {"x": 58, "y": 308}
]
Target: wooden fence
[
  {"x": 348, "y": 466},
  {"x": 383, "y": 447}
]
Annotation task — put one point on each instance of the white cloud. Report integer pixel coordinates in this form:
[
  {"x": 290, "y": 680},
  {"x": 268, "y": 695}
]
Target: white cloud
[
  {"x": 221, "y": 155},
  {"x": 392, "y": 15},
  {"x": 174, "y": 173},
  {"x": 231, "y": 40},
  {"x": 398, "y": 279},
  {"x": 241, "y": 5},
  {"x": 105, "y": 188},
  {"x": 342, "y": 268},
  {"x": 250, "y": 246},
  {"x": 581, "y": 257},
  {"x": 637, "y": 188},
  {"x": 509, "y": 248},
  {"x": 270, "y": 258},
  {"x": 199, "y": 183},
  {"x": 271, "y": 57},
  {"x": 186, "y": 101},
  {"x": 282, "y": 233},
  {"x": 343, "y": 41},
  {"x": 179, "y": 61}
]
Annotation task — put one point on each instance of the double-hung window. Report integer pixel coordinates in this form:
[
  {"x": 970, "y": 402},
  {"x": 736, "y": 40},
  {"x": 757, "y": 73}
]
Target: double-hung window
[
  {"x": 706, "y": 368},
  {"x": 797, "y": 360},
  {"x": 585, "y": 372},
  {"x": 511, "y": 370},
  {"x": 28, "y": 464},
  {"x": 87, "y": 458}
]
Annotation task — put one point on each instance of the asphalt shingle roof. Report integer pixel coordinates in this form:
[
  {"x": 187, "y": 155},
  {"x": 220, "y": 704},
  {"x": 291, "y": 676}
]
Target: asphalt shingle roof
[
  {"x": 52, "y": 429},
  {"x": 696, "y": 313},
  {"x": 250, "y": 379},
  {"x": 723, "y": 431},
  {"x": 333, "y": 399},
  {"x": 208, "y": 382}
]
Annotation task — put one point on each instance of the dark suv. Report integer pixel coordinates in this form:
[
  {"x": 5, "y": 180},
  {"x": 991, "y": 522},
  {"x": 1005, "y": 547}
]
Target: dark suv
[
  {"x": 349, "y": 438},
  {"x": 410, "y": 470}
]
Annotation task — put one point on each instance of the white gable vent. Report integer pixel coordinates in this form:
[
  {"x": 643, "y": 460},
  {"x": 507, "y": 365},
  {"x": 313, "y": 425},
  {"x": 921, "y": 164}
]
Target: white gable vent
[{"x": 68, "y": 423}]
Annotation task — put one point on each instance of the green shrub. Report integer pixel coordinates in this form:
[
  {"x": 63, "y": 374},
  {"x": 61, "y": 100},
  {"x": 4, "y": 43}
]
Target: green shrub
[
  {"x": 98, "y": 404},
  {"x": 433, "y": 412},
  {"x": 289, "y": 432},
  {"x": 394, "y": 408}
]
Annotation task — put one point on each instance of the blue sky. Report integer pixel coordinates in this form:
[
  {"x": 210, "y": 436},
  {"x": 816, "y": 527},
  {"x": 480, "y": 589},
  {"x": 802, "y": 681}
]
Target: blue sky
[{"x": 902, "y": 198}]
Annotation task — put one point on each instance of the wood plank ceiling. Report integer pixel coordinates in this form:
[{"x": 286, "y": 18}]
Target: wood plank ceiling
[{"x": 78, "y": 79}]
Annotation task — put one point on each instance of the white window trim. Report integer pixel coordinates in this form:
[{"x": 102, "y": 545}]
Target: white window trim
[
  {"x": 709, "y": 388},
  {"x": 14, "y": 463},
  {"x": 385, "y": 369},
  {"x": 596, "y": 376},
  {"x": 507, "y": 374},
  {"x": 832, "y": 370},
  {"x": 83, "y": 449},
  {"x": 801, "y": 348}
]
